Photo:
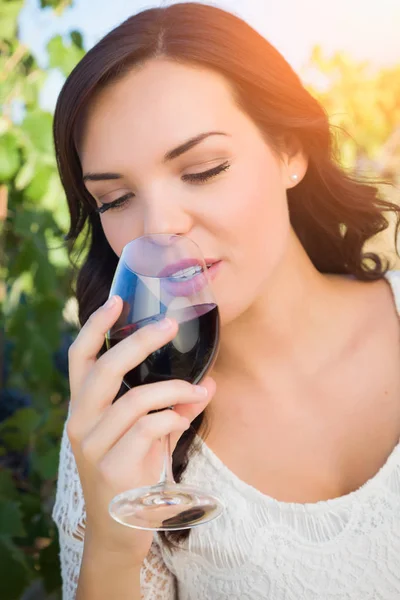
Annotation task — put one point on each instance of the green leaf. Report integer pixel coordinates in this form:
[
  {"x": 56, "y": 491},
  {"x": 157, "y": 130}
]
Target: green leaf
[
  {"x": 15, "y": 574},
  {"x": 31, "y": 506},
  {"x": 7, "y": 487},
  {"x": 40, "y": 358},
  {"x": 47, "y": 463},
  {"x": 77, "y": 39},
  {"x": 38, "y": 126},
  {"x": 17, "y": 429},
  {"x": 9, "y": 12},
  {"x": 40, "y": 182},
  {"x": 54, "y": 423},
  {"x": 47, "y": 318},
  {"x": 58, "y": 253},
  {"x": 22, "y": 222},
  {"x": 63, "y": 57},
  {"x": 31, "y": 89},
  {"x": 11, "y": 519},
  {"x": 28, "y": 222},
  {"x": 9, "y": 156},
  {"x": 50, "y": 566},
  {"x": 38, "y": 524},
  {"x": 24, "y": 259},
  {"x": 45, "y": 276},
  {"x": 3, "y": 125},
  {"x": 54, "y": 3},
  {"x": 25, "y": 175}
]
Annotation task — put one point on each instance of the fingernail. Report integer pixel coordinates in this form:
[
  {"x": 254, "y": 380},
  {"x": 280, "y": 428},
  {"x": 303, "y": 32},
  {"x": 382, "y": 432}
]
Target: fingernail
[
  {"x": 164, "y": 324},
  {"x": 110, "y": 302},
  {"x": 200, "y": 390}
]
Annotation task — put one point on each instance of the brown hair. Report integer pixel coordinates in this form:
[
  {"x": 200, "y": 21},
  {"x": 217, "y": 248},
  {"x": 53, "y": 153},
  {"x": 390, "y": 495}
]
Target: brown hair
[{"x": 332, "y": 212}]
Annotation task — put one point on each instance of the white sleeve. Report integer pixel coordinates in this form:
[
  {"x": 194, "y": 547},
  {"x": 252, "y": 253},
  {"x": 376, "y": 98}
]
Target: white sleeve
[{"x": 69, "y": 514}]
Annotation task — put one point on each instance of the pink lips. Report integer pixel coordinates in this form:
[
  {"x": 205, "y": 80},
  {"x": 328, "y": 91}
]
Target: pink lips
[
  {"x": 192, "y": 286},
  {"x": 179, "y": 266}
]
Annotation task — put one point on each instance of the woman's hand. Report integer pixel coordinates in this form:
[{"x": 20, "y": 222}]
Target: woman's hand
[{"x": 117, "y": 446}]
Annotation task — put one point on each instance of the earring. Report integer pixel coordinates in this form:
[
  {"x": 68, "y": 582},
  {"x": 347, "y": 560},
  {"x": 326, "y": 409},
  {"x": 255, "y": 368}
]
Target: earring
[{"x": 294, "y": 177}]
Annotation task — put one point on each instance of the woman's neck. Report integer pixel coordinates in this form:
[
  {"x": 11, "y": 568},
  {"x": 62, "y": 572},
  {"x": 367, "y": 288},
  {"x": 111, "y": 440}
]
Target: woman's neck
[{"x": 293, "y": 324}]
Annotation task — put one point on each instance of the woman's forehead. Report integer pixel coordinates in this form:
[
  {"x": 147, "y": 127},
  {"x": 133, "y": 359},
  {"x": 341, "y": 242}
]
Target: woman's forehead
[
  {"x": 163, "y": 88},
  {"x": 164, "y": 105}
]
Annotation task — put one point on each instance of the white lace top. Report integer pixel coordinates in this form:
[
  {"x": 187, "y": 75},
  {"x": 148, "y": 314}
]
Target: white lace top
[{"x": 347, "y": 548}]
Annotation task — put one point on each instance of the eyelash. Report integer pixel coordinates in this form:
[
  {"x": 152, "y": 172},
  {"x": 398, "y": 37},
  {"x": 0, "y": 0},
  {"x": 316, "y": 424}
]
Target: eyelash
[
  {"x": 114, "y": 204},
  {"x": 194, "y": 177}
]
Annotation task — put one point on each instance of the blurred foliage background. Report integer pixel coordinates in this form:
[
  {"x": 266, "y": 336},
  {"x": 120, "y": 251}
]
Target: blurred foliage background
[{"x": 38, "y": 319}]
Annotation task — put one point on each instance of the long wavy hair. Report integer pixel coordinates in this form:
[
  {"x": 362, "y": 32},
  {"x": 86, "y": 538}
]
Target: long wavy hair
[{"x": 332, "y": 212}]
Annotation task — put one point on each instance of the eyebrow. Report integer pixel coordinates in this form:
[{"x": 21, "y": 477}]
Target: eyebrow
[{"x": 178, "y": 151}]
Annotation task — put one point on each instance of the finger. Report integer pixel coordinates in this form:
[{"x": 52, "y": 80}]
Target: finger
[
  {"x": 83, "y": 352},
  {"x": 191, "y": 410},
  {"x": 104, "y": 380},
  {"x": 141, "y": 447},
  {"x": 114, "y": 422}
]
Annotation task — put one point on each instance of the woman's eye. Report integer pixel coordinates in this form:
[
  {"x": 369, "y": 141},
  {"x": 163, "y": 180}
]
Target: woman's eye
[
  {"x": 205, "y": 175},
  {"x": 192, "y": 177},
  {"x": 118, "y": 203}
]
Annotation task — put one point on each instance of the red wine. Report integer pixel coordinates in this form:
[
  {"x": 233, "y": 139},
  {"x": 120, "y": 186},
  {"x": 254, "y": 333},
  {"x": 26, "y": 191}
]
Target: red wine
[{"x": 188, "y": 356}]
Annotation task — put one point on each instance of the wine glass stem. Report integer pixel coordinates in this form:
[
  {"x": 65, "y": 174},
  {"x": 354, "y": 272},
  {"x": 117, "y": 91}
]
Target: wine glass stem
[{"x": 167, "y": 477}]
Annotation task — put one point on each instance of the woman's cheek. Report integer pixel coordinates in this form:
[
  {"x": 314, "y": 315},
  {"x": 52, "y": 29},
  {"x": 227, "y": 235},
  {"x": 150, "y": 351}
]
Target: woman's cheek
[
  {"x": 118, "y": 231},
  {"x": 262, "y": 233}
]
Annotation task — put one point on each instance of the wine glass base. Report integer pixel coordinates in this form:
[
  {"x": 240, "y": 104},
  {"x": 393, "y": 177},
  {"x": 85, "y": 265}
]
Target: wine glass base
[{"x": 165, "y": 508}]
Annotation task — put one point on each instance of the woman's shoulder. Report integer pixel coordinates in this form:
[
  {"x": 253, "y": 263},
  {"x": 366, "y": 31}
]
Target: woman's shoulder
[{"x": 379, "y": 298}]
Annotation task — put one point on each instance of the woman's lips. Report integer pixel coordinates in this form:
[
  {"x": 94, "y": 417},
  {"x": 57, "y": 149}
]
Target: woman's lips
[
  {"x": 184, "y": 264},
  {"x": 194, "y": 282}
]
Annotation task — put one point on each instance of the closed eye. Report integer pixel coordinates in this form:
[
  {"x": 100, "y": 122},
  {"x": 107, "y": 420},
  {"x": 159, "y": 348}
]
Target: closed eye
[
  {"x": 114, "y": 204},
  {"x": 205, "y": 175},
  {"x": 192, "y": 177}
]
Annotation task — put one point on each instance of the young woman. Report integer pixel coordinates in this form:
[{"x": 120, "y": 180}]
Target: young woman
[{"x": 184, "y": 120}]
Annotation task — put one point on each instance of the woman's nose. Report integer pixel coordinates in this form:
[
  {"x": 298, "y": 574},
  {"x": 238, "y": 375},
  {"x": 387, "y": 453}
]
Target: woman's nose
[{"x": 166, "y": 217}]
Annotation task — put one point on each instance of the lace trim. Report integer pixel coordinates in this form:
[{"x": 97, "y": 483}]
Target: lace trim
[
  {"x": 253, "y": 494},
  {"x": 346, "y": 553}
]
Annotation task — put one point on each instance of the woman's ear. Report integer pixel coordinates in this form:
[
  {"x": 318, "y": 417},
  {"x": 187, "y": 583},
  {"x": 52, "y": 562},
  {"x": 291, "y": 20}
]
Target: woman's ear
[{"x": 294, "y": 161}]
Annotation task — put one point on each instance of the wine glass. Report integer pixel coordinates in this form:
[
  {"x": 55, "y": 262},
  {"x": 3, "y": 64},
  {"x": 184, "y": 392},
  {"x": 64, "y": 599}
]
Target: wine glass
[{"x": 161, "y": 276}]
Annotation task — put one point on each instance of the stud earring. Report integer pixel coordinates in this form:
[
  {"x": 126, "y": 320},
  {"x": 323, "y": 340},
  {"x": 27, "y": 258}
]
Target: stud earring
[{"x": 294, "y": 177}]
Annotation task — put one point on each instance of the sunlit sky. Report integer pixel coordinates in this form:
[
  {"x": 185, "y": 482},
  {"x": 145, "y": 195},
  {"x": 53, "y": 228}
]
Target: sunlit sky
[{"x": 366, "y": 29}]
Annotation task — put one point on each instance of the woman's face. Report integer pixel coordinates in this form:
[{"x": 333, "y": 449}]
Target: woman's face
[{"x": 237, "y": 214}]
